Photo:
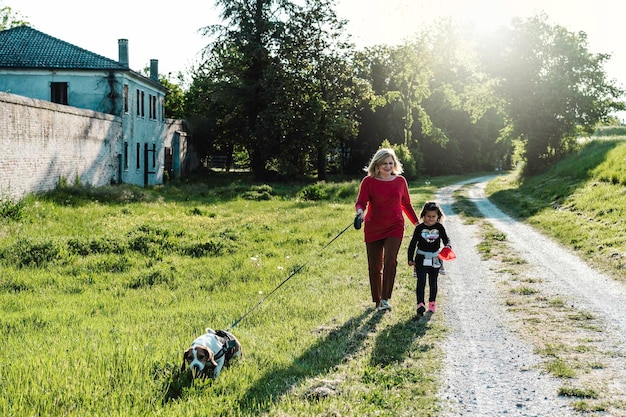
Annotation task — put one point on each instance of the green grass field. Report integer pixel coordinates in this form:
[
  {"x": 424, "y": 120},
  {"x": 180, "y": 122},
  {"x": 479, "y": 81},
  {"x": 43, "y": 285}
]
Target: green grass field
[
  {"x": 581, "y": 202},
  {"x": 103, "y": 289}
]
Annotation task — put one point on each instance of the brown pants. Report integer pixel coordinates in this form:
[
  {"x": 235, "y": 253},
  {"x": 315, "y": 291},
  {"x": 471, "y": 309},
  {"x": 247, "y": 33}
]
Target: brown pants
[{"x": 382, "y": 261}]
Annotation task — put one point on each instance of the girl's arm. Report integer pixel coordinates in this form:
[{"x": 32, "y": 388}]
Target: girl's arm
[{"x": 444, "y": 236}]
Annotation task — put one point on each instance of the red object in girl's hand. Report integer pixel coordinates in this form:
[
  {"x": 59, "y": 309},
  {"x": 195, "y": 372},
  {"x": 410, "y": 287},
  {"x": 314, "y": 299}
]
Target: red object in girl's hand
[{"x": 446, "y": 254}]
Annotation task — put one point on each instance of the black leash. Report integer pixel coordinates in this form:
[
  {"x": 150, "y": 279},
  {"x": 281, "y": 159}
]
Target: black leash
[{"x": 288, "y": 278}]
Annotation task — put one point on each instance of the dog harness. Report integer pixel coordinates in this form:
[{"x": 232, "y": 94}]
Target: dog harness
[{"x": 228, "y": 345}]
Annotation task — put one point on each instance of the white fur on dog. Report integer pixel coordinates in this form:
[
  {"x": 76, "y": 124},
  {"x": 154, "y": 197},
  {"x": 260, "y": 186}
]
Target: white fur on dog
[{"x": 203, "y": 351}]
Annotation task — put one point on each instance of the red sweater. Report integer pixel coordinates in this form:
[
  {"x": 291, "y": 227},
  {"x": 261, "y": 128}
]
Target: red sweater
[{"x": 385, "y": 202}]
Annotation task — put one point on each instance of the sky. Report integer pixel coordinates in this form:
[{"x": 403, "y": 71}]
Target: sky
[{"x": 169, "y": 32}]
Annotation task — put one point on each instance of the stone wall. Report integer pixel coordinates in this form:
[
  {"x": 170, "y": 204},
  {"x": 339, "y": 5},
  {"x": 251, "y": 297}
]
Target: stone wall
[{"x": 42, "y": 142}]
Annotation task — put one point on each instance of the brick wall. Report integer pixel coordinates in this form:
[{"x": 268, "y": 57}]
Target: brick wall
[{"x": 42, "y": 142}]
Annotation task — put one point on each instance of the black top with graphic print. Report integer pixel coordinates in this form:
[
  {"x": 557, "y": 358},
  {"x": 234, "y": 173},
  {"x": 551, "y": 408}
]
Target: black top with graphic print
[{"x": 428, "y": 239}]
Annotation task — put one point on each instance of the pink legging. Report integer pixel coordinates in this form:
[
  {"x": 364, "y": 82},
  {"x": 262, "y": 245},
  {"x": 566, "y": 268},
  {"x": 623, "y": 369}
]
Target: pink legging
[{"x": 382, "y": 261}]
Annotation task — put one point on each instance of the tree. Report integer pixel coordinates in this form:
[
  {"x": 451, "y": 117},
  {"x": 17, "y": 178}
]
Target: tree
[
  {"x": 319, "y": 93},
  {"x": 553, "y": 88},
  {"x": 10, "y": 19},
  {"x": 240, "y": 59},
  {"x": 214, "y": 112},
  {"x": 276, "y": 82},
  {"x": 399, "y": 78},
  {"x": 462, "y": 106},
  {"x": 174, "y": 102},
  {"x": 431, "y": 96}
]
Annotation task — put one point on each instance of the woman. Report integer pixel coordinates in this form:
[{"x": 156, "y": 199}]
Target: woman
[{"x": 384, "y": 196}]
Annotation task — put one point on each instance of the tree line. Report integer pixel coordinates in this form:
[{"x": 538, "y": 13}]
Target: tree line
[{"x": 282, "y": 90}]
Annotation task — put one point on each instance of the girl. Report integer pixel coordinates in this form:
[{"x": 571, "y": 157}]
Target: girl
[{"x": 423, "y": 250}]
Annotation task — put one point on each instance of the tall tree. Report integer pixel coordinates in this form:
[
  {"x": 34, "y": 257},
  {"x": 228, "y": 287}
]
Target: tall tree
[
  {"x": 461, "y": 106},
  {"x": 174, "y": 102},
  {"x": 399, "y": 78},
  {"x": 320, "y": 88},
  {"x": 242, "y": 53},
  {"x": 553, "y": 88},
  {"x": 214, "y": 112},
  {"x": 10, "y": 18},
  {"x": 280, "y": 69}
]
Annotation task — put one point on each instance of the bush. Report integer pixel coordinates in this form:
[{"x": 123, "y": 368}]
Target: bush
[
  {"x": 78, "y": 195},
  {"x": 161, "y": 276},
  {"x": 610, "y": 131},
  {"x": 112, "y": 264},
  {"x": 259, "y": 193},
  {"x": 14, "y": 285},
  {"x": 153, "y": 241},
  {"x": 26, "y": 253},
  {"x": 11, "y": 210},
  {"x": 84, "y": 247},
  {"x": 200, "y": 250},
  {"x": 314, "y": 192}
]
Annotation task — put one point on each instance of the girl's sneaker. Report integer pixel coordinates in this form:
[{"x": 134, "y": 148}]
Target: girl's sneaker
[
  {"x": 432, "y": 307},
  {"x": 442, "y": 270},
  {"x": 420, "y": 309}
]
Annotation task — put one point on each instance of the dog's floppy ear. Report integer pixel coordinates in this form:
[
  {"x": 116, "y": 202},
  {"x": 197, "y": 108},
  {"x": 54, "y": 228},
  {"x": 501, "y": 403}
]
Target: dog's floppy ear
[
  {"x": 184, "y": 365},
  {"x": 211, "y": 357}
]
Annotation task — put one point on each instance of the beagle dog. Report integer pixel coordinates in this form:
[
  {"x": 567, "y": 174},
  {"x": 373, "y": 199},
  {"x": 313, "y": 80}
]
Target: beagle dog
[{"x": 213, "y": 350}]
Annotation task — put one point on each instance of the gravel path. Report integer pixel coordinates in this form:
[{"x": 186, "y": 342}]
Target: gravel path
[{"x": 488, "y": 369}]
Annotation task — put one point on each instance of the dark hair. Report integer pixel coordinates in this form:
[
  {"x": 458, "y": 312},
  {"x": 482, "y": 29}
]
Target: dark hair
[{"x": 432, "y": 206}]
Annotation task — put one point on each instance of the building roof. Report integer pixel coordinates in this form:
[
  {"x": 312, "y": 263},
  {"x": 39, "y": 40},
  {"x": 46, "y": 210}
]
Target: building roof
[{"x": 25, "y": 47}]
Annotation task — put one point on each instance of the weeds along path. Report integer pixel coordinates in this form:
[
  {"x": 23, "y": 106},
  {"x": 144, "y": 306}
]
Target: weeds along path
[{"x": 490, "y": 364}]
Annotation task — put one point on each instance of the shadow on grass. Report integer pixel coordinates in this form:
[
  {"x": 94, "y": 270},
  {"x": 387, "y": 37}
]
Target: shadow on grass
[
  {"x": 335, "y": 347},
  {"x": 394, "y": 343}
]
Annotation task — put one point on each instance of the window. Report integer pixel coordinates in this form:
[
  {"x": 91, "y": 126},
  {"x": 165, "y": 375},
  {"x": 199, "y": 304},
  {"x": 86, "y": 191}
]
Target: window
[
  {"x": 152, "y": 110},
  {"x": 125, "y": 155},
  {"x": 143, "y": 99},
  {"x": 125, "y": 98},
  {"x": 154, "y": 155},
  {"x": 138, "y": 156},
  {"x": 58, "y": 92},
  {"x": 138, "y": 103}
]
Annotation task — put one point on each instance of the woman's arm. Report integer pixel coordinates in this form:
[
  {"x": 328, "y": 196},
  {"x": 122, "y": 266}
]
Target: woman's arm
[
  {"x": 407, "y": 207},
  {"x": 363, "y": 197}
]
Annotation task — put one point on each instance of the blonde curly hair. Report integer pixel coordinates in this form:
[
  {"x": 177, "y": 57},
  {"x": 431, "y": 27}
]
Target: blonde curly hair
[{"x": 379, "y": 157}]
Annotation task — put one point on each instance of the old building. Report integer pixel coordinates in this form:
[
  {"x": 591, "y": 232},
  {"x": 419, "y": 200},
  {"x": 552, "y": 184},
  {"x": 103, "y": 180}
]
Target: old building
[{"x": 42, "y": 67}]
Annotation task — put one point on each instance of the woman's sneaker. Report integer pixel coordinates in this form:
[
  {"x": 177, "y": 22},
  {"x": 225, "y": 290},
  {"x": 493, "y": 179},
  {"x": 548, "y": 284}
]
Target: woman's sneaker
[
  {"x": 384, "y": 305},
  {"x": 432, "y": 307},
  {"x": 420, "y": 309}
]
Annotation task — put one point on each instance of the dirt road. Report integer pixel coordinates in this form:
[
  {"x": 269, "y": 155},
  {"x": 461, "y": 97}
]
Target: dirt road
[{"x": 491, "y": 368}]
